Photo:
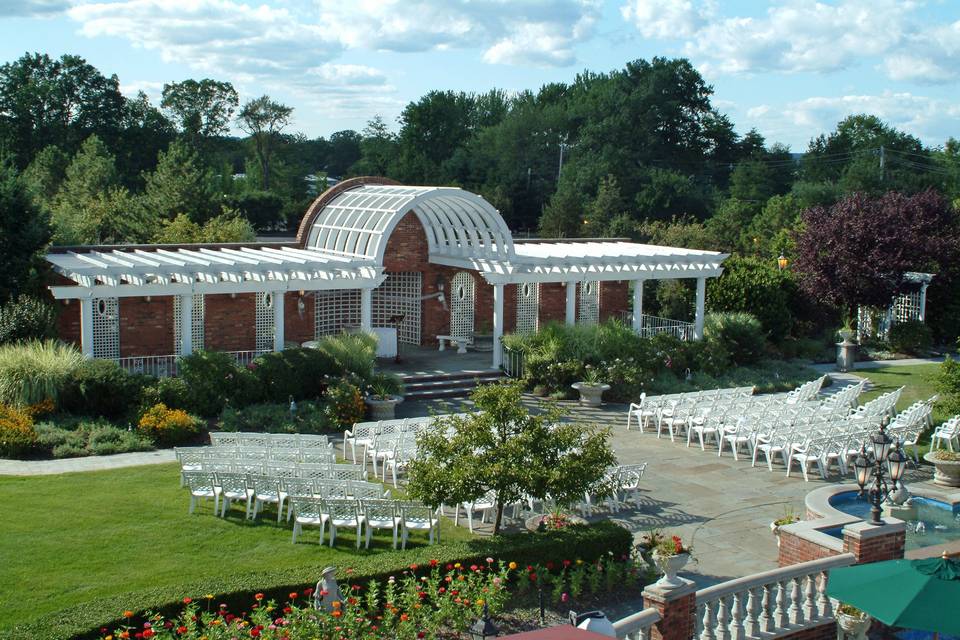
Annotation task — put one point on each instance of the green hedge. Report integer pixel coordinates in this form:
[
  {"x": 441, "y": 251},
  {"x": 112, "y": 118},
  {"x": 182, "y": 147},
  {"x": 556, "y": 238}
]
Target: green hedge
[{"x": 82, "y": 622}]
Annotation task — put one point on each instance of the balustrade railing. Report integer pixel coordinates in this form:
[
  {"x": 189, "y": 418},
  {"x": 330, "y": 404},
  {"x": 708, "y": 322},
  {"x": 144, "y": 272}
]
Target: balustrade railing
[
  {"x": 512, "y": 361},
  {"x": 637, "y": 626},
  {"x": 654, "y": 325},
  {"x": 769, "y": 604},
  {"x": 166, "y": 366}
]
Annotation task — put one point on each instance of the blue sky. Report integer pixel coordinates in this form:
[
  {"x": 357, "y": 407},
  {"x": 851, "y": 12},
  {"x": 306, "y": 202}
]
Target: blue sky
[{"x": 789, "y": 68}]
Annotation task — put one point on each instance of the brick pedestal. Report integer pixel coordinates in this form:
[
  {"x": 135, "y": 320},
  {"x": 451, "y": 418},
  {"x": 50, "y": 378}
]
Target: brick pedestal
[
  {"x": 677, "y": 608},
  {"x": 875, "y": 543}
]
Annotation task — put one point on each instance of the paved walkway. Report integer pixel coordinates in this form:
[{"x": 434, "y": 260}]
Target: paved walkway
[
  {"x": 90, "y": 463},
  {"x": 831, "y": 368}
]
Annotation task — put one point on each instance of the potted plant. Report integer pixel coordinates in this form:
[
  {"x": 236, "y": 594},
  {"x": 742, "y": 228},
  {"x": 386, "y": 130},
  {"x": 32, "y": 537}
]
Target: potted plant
[
  {"x": 483, "y": 334},
  {"x": 789, "y": 517},
  {"x": 648, "y": 543},
  {"x": 670, "y": 555},
  {"x": 853, "y": 621},
  {"x": 553, "y": 521},
  {"x": 946, "y": 466},
  {"x": 591, "y": 388},
  {"x": 384, "y": 393}
]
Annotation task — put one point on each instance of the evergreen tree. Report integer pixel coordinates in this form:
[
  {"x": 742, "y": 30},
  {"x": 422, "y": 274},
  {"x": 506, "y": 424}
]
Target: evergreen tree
[
  {"x": 44, "y": 176},
  {"x": 90, "y": 174},
  {"x": 179, "y": 184},
  {"x": 563, "y": 216},
  {"x": 605, "y": 207},
  {"x": 24, "y": 231}
]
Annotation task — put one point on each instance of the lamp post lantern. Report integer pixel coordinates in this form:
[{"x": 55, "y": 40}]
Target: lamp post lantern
[
  {"x": 484, "y": 628},
  {"x": 782, "y": 262},
  {"x": 884, "y": 457}
]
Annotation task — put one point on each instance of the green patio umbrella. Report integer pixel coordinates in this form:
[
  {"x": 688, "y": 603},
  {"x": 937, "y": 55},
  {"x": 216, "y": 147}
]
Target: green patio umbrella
[{"x": 912, "y": 594}]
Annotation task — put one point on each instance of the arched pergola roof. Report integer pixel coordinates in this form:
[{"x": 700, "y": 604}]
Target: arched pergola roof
[{"x": 459, "y": 225}]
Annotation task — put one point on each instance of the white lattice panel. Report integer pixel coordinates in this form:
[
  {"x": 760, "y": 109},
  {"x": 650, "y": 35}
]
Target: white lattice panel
[
  {"x": 462, "y": 305},
  {"x": 264, "y": 321},
  {"x": 906, "y": 307},
  {"x": 589, "y": 294},
  {"x": 528, "y": 307},
  {"x": 196, "y": 322},
  {"x": 106, "y": 328},
  {"x": 399, "y": 295},
  {"x": 336, "y": 310}
]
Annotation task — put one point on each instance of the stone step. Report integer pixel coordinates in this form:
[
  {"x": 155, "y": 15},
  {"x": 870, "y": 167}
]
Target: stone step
[{"x": 429, "y": 386}]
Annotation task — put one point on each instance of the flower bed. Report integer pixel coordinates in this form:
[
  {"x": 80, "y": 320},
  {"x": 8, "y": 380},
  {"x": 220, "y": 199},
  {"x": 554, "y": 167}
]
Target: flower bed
[{"x": 591, "y": 542}]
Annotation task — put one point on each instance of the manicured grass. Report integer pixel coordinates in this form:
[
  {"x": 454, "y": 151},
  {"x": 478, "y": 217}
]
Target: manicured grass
[
  {"x": 67, "y": 539},
  {"x": 918, "y": 380}
]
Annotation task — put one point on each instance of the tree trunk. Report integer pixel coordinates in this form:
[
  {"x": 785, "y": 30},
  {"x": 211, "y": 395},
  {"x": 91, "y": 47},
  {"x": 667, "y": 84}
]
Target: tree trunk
[{"x": 496, "y": 524}]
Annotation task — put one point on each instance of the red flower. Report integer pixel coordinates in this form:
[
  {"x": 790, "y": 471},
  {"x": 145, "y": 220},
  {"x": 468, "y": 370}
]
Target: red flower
[
  {"x": 355, "y": 587},
  {"x": 307, "y": 592},
  {"x": 254, "y": 632},
  {"x": 148, "y": 633},
  {"x": 181, "y": 629},
  {"x": 567, "y": 563},
  {"x": 533, "y": 577},
  {"x": 293, "y": 595},
  {"x": 449, "y": 566},
  {"x": 473, "y": 567},
  {"x": 434, "y": 563},
  {"x": 187, "y": 600},
  {"x": 258, "y": 597},
  {"x": 413, "y": 567},
  {"x": 550, "y": 566}
]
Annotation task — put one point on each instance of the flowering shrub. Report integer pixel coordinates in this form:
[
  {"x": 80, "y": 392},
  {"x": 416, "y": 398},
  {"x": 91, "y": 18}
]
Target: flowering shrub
[
  {"x": 40, "y": 409},
  {"x": 167, "y": 426},
  {"x": 345, "y": 404},
  {"x": 17, "y": 435}
]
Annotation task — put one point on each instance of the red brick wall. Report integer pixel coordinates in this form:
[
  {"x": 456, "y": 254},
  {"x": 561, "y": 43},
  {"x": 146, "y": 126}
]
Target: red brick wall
[
  {"x": 877, "y": 548},
  {"x": 68, "y": 321},
  {"x": 297, "y": 328},
  {"x": 614, "y": 299},
  {"x": 826, "y": 631},
  {"x": 229, "y": 323},
  {"x": 146, "y": 326},
  {"x": 553, "y": 302},
  {"x": 794, "y": 549},
  {"x": 678, "y": 618}
]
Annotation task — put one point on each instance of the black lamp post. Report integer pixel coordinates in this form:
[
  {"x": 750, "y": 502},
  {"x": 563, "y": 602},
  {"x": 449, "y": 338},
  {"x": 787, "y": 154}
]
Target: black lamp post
[
  {"x": 879, "y": 461},
  {"x": 484, "y": 627}
]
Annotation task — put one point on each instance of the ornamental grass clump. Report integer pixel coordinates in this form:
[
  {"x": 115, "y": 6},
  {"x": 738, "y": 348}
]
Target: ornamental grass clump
[{"x": 31, "y": 372}]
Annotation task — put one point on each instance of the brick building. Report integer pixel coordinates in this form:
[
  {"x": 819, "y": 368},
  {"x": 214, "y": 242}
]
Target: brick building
[{"x": 408, "y": 263}]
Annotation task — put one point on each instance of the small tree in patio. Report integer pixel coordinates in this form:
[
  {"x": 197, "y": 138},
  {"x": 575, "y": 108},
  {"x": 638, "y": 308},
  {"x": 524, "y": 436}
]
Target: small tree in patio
[{"x": 502, "y": 447}]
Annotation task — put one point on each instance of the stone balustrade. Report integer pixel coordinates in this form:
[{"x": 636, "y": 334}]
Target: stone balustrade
[{"x": 637, "y": 626}]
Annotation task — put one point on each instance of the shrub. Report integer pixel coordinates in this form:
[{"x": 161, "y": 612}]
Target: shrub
[
  {"x": 212, "y": 379},
  {"x": 31, "y": 372},
  {"x": 344, "y": 404},
  {"x": 167, "y": 426},
  {"x": 27, "y": 318},
  {"x": 60, "y": 442},
  {"x": 740, "y": 334},
  {"x": 354, "y": 353},
  {"x": 912, "y": 337},
  {"x": 309, "y": 417},
  {"x": 102, "y": 388},
  {"x": 106, "y": 439},
  {"x": 297, "y": 373},
  {"x": 757, "y": 287},
  {"x": 82, "y": 437},
  {"x": 383, "y": 385},
  {"x": 17, "y": 436},
  {"x": 591, "y": 542},
  {"x": 947, "y": 383},
  {"x": 172, "y": 392}
]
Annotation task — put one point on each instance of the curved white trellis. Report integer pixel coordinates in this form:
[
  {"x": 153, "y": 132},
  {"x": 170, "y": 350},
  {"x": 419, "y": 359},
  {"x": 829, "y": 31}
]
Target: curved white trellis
[
  {"x": 457, "y": 223},
  {"x": 462, "y": 303}
]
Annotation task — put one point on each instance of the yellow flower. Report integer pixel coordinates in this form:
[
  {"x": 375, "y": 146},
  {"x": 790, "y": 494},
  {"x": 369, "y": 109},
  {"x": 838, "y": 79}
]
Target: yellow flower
[
  {"x": 209, "y": 596},
  {"x": 456, "y": 566},
  {"x": 108, "y": 638},
  {"x": 479, "y": 602},
  {"x": 512, "y": 565},
  {"x": 579, "y": 561}
]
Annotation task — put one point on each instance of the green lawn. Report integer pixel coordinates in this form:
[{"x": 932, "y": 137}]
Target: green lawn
[
  {"x": 918, "y": 380},
  {"x": 67, "y": 539}
]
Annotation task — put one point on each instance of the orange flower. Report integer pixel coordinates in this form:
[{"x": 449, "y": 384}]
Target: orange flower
[
  {"x": 336, "y": 604},
  {"x": 259, "y": 596},
  {"x": 293, "y": 596},
  {"x": 128, "y": 614},
  {"x": 337, "y": 613},
  {"x": 404, "y": 617}
]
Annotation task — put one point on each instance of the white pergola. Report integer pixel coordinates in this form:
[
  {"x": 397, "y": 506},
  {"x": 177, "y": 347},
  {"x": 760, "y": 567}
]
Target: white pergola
[
  {"x": 344, "y": 248},
  {"x": 117, "y": 272}
]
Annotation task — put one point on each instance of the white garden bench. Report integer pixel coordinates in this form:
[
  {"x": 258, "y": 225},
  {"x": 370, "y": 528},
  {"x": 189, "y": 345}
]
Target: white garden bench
[{"x": 460, "y": 341}]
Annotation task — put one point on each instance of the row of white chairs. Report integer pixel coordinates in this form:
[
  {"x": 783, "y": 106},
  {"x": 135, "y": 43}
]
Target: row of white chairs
[
  {"x": 193, "y": 455},
  {"x": 281, "y": 440},
  {"x": 947, "y": 434},
  {"x": 372, "y": 514},
  {"x": 806, "y": 391},
  {"x": 319, "y": 471},
  {"x": 364, "y": 434}
]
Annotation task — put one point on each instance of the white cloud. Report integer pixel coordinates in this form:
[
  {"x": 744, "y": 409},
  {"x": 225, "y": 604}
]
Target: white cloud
[
  {"x": 537, "y": 32},
  {"x": 930, "y": 119},
  {"x": 32, "y": 8},
  {"x": 802, "y": 36}
]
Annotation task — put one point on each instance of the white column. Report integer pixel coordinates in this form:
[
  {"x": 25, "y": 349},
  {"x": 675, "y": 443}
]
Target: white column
[
  {"x": 186, "y": 325},
  {"x": 366, "y": 309},
  {"x": 923, "y": 302},
  {"x": 571, "y": 310},
  {"x": 497, "y": 325},
  {"x": 638, "y": 305},
  {"x": 278, "y": 314},
  {"x": 701, "y": 304},
  {"x": 86, "y": 326}
]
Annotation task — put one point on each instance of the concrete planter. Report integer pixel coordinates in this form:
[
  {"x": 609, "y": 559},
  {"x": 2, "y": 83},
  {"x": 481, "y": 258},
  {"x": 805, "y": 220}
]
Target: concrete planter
[
  {"x": 533, "y": 522},
  {"x": 670, "y": 565},
  {"x": 846, "y": 351},
  {"x": 383, "y": 408},
  {"x": 946, "y": 472},
  {"x": 854, "y": 626},
  {"x": 591, "y": 394}
]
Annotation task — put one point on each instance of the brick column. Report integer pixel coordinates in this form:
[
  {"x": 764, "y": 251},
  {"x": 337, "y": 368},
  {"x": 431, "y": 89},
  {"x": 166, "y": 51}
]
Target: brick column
[
  {"x": 677, "y": 607},
  {"x": 875, "y": 543}
]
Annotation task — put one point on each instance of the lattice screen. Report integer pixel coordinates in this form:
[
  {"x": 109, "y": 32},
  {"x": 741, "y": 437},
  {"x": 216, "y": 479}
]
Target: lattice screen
[
  {"x": 528, "y": 307},
  {"x": 264, "y": 321},
  {"x": 106, "y": 328},
  {"x": 399, "y": 294},
  {"x": 462, "y": 305},
  {"x": 336, "y": 310},
  {"x": 906, "y": 306},
  {"x": 196, "y": 322},
  {"x": 589, "y": 294}
]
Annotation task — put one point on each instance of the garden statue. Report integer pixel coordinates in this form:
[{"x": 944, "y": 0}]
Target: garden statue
[{"x": 327, "y": 591}]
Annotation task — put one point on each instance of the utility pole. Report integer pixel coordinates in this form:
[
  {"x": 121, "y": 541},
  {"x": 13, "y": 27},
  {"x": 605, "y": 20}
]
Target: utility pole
[
  {"x": 882, "y": 162},
  {"x": 563, "y": 145},
  {"x": 528, "y": 178}
]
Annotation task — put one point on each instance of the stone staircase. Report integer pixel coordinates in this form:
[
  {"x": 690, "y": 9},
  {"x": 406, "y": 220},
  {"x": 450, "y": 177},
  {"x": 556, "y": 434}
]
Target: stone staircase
[{"x": 459, "y": 384}]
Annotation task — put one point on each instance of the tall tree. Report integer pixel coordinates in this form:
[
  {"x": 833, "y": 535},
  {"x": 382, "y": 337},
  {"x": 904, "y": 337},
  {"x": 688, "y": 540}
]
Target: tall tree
[
  {"x": 202, "y": 109},
  {"x": 378, "y": 148},
  {"x": 605, "y": 207},
  {"x": 563, "y": 216},
  {"x": 263, "y": 119},
  {"x": 24, "y": 232},
  {"x": 179, "y": 184},
  {"x": 146, "y": 132},
  {"x": 45, "y": 174},
  {"x": 90, "y": 174},
  {"x": 344, "y": 151}
]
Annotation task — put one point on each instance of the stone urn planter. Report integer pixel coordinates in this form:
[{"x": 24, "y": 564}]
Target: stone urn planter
[
  {"x": 591, "y": 393},
  {"x": 533, "y": 522},
  {"x": 946, "y": 472},
  {"x": 669, "y": 566},
  {"x": 776, "y": 524},
  {"x": 383, "y": 408},
  {"x": 854, "y": 625},
  {"x": 846, "y": 351}
]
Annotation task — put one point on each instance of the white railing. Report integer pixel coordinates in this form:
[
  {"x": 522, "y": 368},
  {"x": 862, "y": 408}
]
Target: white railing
[
  {"x": 653, "y": 325},
  {"x": 512, "y": 361},
  {"x": 769, "y": 604},
  {"x": 166, "y": 366},
  {"x": 637, "y": 626}
]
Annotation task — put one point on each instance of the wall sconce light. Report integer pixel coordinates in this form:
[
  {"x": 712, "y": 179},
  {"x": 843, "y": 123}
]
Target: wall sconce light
[
  {"x": 233, "y": 296},
  {"x": 440, "y": 282},
  {"x": 149, "y": 298}
]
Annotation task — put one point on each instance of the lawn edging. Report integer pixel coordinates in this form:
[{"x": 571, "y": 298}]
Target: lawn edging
[{"x": 84, "y": 622}]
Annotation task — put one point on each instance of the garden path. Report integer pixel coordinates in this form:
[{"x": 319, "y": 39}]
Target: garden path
[{"x": 91, "y": 463}]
